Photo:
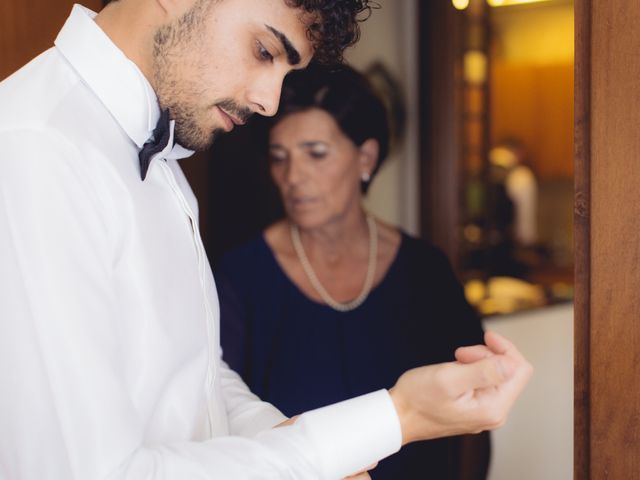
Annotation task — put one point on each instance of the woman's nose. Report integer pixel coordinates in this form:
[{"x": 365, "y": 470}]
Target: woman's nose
[{"x": 295, "y": 172}]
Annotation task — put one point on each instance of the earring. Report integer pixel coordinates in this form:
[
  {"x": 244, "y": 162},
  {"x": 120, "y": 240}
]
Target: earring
[{"x": 365, "y": 177}]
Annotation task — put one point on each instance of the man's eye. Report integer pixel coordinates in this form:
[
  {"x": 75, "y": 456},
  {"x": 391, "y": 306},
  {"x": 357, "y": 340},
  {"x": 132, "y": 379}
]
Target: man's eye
[{"x": 264, "y": 54}]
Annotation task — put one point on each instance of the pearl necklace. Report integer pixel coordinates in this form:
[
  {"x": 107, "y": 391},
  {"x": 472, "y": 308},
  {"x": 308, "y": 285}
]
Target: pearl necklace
[{"x": 315, "y": 282}]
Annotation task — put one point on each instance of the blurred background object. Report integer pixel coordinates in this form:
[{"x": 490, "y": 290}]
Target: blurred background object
[{"x": 515, "y": 157}]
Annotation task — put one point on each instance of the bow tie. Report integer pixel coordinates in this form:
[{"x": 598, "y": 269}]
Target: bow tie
[{"x": 157, "y": 143}]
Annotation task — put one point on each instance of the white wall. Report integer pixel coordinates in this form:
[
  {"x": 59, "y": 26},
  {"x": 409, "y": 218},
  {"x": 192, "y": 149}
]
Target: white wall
[
  {"x": 390, "y": 36},
  {"x": 537, "y": 441}
]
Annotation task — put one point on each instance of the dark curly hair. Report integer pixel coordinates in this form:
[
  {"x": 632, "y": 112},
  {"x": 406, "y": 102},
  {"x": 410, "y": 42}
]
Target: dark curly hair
[
  {"x": 343, "y": 93},
  {"x": 335, "y": 25}
]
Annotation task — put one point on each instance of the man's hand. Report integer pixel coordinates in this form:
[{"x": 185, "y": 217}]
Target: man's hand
[
  {"x": 468, "y": 396},
  {"x": 362, "y": 475},
  {"x": 288, "y": 421}
]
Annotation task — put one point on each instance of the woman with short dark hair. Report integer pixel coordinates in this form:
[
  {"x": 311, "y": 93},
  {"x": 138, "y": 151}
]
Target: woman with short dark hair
[{"x": 330, "y": 302}]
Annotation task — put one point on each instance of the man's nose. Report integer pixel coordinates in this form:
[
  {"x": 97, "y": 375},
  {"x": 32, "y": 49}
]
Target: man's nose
[{"x": 264, "y": 96}]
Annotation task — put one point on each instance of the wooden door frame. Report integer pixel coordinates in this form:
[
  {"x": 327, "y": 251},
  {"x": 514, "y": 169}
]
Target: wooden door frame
[
  {"x": 439, "y": 125},
  {"x": 607, "y": 236},
  {"x": 582, "y": 232}
]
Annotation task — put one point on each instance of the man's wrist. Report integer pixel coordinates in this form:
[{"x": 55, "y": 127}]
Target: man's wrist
[{"x": 404, "y": 414}]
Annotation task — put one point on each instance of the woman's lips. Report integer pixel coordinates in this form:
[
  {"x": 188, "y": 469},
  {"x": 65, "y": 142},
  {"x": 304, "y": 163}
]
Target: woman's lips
[{"x": 301, "y": 202}]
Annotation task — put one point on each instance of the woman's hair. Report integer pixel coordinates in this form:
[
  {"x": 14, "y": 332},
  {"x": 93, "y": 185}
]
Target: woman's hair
[
  {"x": 346, "y": 95},
  {"x": 334, "y": 26}
]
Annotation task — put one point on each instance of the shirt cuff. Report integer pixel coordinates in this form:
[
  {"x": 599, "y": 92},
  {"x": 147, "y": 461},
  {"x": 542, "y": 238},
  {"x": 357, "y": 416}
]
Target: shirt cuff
[{"x": 351, "y": 435}]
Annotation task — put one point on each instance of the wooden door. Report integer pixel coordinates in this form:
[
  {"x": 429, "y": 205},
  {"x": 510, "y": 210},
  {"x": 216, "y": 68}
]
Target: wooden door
[
  {"x": 607, "y": 222},
  {"x": 28, "y": 27}
]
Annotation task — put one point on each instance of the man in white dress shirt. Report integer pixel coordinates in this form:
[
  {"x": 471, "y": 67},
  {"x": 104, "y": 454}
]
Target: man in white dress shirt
[{"x": 109, "y": 356}]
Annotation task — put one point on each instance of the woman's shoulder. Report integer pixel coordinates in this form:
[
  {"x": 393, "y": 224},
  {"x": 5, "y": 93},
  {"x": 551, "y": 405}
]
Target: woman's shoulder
[
  {"x": 420, "y": 249},
  {"x": 423, "y": 261},
  {"x": 245, "y": 256},
  {"x": 276, "y": 237}
]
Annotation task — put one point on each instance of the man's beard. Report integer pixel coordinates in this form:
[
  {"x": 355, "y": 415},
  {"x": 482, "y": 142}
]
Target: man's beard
[
  {"x": 189, "y": 131},
  {"x": 179, "y": 94}
]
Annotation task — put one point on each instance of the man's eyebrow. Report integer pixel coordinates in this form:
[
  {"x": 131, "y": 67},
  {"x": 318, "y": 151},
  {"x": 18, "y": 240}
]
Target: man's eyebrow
[{"x": 293, "y": 56}]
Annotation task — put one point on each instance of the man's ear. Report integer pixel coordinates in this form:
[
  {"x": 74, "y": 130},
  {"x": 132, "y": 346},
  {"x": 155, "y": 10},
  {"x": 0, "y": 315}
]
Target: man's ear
[{"x": 368, "y": 154}]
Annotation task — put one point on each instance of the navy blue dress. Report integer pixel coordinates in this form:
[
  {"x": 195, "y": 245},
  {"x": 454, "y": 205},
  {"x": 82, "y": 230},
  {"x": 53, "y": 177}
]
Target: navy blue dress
[{"x": 299, "y": 354}]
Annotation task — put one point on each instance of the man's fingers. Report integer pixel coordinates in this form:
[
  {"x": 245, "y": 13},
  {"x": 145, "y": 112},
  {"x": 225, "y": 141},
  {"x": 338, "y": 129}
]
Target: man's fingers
[
  {"x": 488, "y": 372},
  {"x": 359, "y": 476},
  {"x": 521, "y": 368},
  {"x": 495, "y": 344},
  {"x": 499, "y": 344},
  {"x": 472, "y": 354},
  {"x": 289, "y": 421}
]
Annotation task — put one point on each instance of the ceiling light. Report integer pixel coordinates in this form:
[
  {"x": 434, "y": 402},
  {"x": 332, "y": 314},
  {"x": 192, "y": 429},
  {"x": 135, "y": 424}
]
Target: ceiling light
[
  {"x": 460, "y": 4},
  {"x": 504, "y": 3}
]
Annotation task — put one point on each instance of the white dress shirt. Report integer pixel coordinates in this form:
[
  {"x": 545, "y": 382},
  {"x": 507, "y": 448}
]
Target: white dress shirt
[{"x": 109, "y": 355}]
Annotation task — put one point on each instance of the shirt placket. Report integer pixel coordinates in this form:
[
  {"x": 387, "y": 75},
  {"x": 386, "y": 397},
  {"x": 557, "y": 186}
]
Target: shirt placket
[{"x": 202, "y": 271}]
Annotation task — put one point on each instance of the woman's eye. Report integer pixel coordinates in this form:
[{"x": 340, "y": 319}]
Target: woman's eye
[
  {"x": 264, "y": 54},
  {"x": 318, "y": 154},
  {"x": 277, "y": 157}
]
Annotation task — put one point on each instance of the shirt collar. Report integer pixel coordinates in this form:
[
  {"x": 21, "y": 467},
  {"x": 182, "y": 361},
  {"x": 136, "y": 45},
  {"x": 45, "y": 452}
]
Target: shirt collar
[{"x": 116, "y": 80}]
